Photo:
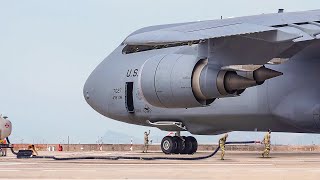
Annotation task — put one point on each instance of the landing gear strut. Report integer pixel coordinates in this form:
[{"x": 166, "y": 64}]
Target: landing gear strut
[{"x": 179, "y": 145}]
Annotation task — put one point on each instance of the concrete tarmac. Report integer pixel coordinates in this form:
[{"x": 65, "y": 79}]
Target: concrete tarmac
[{"x": 238, "y": 165}]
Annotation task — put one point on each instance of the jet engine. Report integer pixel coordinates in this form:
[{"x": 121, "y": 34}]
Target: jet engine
[
  {"x": 5, "y": 127},
  {"x": 260, "y": 75},
  {"x": 184, "y": 81}
]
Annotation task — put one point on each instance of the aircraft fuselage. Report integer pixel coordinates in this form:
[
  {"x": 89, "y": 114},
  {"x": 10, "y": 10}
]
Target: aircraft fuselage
[{"x": 288, "y": 103}]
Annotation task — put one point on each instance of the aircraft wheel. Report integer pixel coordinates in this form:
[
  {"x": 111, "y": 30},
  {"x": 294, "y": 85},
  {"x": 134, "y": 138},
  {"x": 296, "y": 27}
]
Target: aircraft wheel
[
  {"x": 180, "y": 145},
  {"x": 168, "y": 145},
  {"x": 188, "y": 146},
  {"x": 194, "y": 145}
]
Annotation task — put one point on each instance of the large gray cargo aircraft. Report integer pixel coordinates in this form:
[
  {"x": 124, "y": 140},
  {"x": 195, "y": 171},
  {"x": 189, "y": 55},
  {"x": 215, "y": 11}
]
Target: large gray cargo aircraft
[{"x": 209, "y": 77}]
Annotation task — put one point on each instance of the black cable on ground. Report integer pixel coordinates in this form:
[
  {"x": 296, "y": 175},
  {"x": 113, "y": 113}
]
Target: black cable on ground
[
  {"x": 15, "y": 153},
  {"x": 133, "y": 157}
]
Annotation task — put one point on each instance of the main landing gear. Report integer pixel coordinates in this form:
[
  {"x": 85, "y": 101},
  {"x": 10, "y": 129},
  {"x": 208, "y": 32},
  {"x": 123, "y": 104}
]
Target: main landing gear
[{"x": 179, "y": 145}]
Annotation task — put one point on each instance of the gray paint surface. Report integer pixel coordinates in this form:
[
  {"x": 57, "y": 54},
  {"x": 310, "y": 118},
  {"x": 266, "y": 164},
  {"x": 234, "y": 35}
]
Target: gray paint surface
[{"x": 289, "y": 103}]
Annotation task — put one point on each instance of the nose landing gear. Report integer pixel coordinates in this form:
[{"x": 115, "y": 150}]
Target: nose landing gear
[{"x": 179, "y": 145}]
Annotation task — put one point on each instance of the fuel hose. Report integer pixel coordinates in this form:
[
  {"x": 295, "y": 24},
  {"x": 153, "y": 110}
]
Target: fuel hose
[{"x": 133, "y": 157}]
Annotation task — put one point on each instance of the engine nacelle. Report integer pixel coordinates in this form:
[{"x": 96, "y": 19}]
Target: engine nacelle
[
  {"x": 5, "y": 127},
  {"x": 182, "y": 81},
  {"x": 166, "y": 81}
]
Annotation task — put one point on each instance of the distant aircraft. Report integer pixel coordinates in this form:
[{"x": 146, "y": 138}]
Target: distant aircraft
[
  {"x": 210, "y": 77},
  {"x": 5, "y": 127}
]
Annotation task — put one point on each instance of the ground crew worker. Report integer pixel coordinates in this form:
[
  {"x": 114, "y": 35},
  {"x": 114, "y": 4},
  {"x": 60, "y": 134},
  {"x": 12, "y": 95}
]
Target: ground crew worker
[
  {"x": 222, "y": 143},
  {"x": 3, "y": 150},
  {"x": 33, "y": 149},
  {"x": 266, "y": 141},
  {"x": 146, "y": 142}
]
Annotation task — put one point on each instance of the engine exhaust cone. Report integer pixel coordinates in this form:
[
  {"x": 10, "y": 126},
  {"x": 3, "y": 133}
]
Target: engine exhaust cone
[
  {"x": 263, "y": 73},
  {"x": 235, "y": 82}
]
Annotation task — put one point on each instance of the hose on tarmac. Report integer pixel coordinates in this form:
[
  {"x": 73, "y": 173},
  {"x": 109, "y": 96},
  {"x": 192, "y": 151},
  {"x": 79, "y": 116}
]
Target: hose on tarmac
[
  {"x": 134, "y": 157},
  {"x": 15, "y": 153}
]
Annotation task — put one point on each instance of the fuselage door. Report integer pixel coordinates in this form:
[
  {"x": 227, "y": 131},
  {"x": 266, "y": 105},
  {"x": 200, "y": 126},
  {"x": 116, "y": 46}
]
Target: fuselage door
[{"x": 129, "y": 97}]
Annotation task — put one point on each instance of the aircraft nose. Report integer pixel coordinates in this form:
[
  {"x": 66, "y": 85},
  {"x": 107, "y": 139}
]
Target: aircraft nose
[
  {"x": 94, "y": 92},
  {"x": 88, "y": 91}
]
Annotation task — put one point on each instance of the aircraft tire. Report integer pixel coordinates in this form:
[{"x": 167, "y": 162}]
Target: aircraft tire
[
  {"x": 194, "y": 145},
  {"x": 168, "y": 145},
  {"x": 188, "y": 146},
  {"x": 180, "y": 145}
]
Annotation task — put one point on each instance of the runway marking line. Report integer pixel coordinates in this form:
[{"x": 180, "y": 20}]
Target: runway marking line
[
  {"x": 68, "y": 170},
  {"x": 9, "y": 170},
  {"x": 177, "y": 164},
  {"x": 191, "y": 164},
  {"x": 15, "y": 163}
]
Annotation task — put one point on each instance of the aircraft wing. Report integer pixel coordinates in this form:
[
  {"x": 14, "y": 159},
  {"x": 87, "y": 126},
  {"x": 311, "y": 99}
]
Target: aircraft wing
[
  {"x": 231, "y": 43},
  {"x": 183, "y": 34}
]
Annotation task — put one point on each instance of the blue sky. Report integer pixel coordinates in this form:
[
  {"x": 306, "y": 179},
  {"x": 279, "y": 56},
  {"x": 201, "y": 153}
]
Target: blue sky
[{"x": 48, "y": 49}]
